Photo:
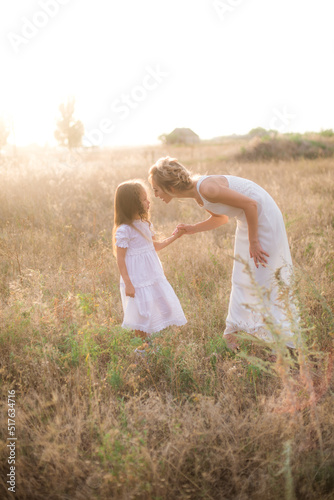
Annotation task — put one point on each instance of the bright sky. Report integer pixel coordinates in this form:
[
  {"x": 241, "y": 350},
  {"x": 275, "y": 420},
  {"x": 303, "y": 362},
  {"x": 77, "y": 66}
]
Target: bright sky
[{"x": 138, "y": 69}]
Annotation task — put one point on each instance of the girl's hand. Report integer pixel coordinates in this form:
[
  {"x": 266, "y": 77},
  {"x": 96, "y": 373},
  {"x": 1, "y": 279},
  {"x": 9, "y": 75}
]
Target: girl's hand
[
  {"x": 129, "y": 290},
  {"x": 185, "y": 228},
  {"x": 257, "y": 253}
]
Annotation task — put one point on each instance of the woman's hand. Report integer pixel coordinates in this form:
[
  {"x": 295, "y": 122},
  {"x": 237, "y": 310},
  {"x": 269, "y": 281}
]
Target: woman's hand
[
  {"x": 257, "y": 253},
  {"x": 184, "y": 229},
  {"x": 129, "y": 290},
  {"x": 179, "y": 231}
]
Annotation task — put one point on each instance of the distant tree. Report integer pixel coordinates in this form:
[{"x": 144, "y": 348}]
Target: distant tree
[
  {"x": 4, "y": 133},
  {"x": 69, "y": 131},
  {"x": 163, "y": 138},
  {"x": 258, "y": 132},
  {"x": 327, "y": 133}
]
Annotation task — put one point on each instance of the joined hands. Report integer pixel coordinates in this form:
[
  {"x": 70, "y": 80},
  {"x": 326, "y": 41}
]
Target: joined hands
[{"x": 182, "y": 229}]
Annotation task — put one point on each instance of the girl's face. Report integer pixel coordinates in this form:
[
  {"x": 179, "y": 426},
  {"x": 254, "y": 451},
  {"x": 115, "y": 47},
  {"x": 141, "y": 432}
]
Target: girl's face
[
  {"x": 159, "y": 193},
  {"x": 144, "y": 201}
]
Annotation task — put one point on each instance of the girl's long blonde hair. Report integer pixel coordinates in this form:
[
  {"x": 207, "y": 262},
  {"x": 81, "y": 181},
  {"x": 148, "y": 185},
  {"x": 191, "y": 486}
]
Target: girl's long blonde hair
[{"x": 127, "y": 206}]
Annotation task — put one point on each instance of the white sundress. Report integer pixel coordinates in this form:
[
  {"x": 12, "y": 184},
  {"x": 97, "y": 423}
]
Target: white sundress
[
  {"x": 155, "y": 305},
  {"x": 246, "y": 309}
]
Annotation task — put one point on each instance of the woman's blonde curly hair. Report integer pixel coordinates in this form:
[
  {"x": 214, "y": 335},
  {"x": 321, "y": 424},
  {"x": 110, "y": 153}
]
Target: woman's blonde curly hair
[{"x": 168, "y": 173}]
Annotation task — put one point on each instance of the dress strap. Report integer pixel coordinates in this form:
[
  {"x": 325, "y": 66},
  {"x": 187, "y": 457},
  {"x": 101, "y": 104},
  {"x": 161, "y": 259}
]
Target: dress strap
[{"x": 199, "y": 182}]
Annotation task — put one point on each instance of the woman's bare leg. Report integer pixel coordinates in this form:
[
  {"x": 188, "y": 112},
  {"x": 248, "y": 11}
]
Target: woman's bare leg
[{"x": 231, "y": 341}]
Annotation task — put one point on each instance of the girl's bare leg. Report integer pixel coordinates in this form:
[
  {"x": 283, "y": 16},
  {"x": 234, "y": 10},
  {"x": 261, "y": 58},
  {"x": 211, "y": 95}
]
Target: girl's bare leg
[{"x": 143, "y": 336}]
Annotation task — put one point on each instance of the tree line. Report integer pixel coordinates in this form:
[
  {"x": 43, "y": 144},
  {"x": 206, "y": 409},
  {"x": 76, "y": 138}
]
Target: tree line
[{"x": 69, "y": 131}]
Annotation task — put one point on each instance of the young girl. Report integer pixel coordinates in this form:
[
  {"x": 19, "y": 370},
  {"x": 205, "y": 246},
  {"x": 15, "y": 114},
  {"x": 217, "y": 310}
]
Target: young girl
[{"x": 149, "y": 302}]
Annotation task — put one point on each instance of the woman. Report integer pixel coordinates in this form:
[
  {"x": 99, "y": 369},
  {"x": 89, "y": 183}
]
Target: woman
[{"x": 261, "y": 246}]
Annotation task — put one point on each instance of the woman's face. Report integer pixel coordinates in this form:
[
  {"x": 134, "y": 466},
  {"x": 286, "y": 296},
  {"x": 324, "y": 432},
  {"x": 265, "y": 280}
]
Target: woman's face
[{"x": 159, "y": 193}]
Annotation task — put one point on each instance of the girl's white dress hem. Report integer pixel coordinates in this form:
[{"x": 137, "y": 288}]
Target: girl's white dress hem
[{"x": 155, "y": 305}]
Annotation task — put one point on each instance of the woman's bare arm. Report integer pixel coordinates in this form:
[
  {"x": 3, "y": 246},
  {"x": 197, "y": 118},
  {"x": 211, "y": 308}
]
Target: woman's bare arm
[{"x": 212, "y": 222}]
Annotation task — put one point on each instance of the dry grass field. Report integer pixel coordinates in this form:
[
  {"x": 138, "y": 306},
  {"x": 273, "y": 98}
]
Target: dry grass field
[{"x": 193, "y": 421}]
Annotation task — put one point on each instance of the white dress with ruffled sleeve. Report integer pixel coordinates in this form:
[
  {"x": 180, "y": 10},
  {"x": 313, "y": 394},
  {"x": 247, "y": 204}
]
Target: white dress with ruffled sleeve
[{"x": 155, "y": 305}]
